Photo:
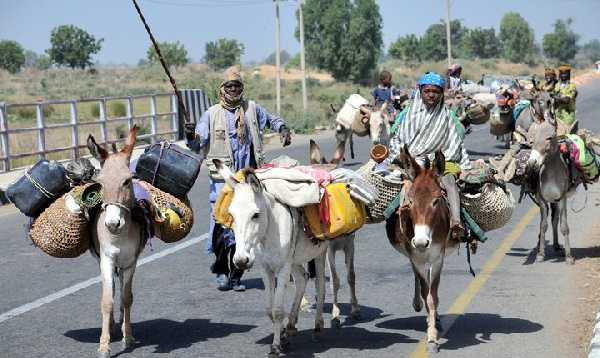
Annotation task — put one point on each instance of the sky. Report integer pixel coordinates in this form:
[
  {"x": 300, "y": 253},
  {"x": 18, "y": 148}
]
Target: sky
[{"x": 252, "y": 22}]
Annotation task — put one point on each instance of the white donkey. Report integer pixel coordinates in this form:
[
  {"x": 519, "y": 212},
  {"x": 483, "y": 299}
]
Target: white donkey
[
  {"x": 269, "y": 232},
  {"x": 117, "y": 238}
]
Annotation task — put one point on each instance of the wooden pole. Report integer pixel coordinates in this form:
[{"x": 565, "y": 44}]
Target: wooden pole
[
  {"x": 302, "y": 61},
  {"x": 277, "y": 57},
  {"x": 448, "y": 42}
]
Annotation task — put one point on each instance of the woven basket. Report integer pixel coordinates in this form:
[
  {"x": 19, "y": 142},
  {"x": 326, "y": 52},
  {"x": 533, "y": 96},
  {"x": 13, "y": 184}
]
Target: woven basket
[
  {"x": 388, "y": 190},
  {"x": 479, "y": 114},
  {"x": 164, "y": 231},
  {"x": 60, "y": 232},
  {"x": 492, "y": 208}
]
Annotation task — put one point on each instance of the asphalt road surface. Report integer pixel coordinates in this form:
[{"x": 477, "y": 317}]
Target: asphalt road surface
[{"x": 50, "y": 307}]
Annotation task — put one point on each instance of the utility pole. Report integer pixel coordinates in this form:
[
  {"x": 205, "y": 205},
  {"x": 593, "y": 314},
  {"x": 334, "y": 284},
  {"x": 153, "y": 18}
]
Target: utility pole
[
  {"x": 448, "y": 44},
  {"x": 302, "y": 63},
  {"x": 277, "y": 58}
]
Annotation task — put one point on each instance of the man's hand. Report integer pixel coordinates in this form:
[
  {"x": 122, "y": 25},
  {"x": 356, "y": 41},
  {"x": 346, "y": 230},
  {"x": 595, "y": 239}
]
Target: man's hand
[
  {"x": 285, "y": 136},
  {"x": 190, "y": 131}
]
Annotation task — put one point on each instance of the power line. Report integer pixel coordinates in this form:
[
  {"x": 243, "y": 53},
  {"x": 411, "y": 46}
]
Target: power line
[{"x": 210, "y": 3}]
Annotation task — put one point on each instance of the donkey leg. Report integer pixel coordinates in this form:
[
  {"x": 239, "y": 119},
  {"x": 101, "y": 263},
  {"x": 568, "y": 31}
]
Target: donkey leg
[
  {"x": 278, "y": 311},
  {"x": 320, "y": 288},
  {"x": 106, "y": 305},
  {"x": 432, "y": 304},
  {"x": 351, "y": 277},
  {"x": 335, "y": 286},
  {"x": 543, "y": 227},
  {"x": 300, "y": 280},
  {"x": 417, "y": 302},
  {"x": 126, "y": 278},
  {"x": 555, "y": 217},
  {"x": 564, "y": 229}
]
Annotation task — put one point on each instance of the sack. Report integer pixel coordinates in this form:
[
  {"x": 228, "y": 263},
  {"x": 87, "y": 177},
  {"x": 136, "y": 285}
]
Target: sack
[
  {"x": 499, "y": 125},
  {"x": 345, "y": 116},
  {"x": 38, "y": 187},
  {"x": 584, "y": 158},
  {"x": 345, "y": 214},
  {"x": 360, "y": 125},
  {"x": 221, "y": 211},
  {"x": 479, "y": 114},
  {"x": 169, "y": 167}
]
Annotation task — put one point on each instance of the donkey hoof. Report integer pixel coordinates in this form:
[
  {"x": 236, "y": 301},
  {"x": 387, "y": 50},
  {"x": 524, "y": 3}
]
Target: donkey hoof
[
  {"x": 103, "y": 354},
  {"x": 335, "y": 323},
  {"x": 539, "y": 258},
  {"x": 317, "y": 336},
  {"x": 357, "y": 316},
  {"x": 570, "y": 261},
  {"x": 128, "y": 343},
  {"x": 432, "y": 347},
  {"x": 275, "y": 352}
]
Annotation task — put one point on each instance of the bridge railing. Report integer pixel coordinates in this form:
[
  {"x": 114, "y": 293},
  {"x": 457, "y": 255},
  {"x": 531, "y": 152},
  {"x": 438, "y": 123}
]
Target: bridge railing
[{"x": 24, "y": 141}]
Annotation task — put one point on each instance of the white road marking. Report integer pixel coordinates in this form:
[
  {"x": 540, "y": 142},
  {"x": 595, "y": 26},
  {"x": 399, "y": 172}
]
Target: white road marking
[{"x": 80, "y": 286}]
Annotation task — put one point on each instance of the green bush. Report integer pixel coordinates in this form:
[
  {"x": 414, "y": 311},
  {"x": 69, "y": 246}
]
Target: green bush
[
  {"x": 300, "y": 122},
  {"x": 95, "y": 110},
  {"x": 30, "y": 112},
  {"x": 118, "y": 109}
]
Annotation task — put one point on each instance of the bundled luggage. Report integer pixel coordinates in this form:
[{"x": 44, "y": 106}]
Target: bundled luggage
[{"x": 169, "y": 167}]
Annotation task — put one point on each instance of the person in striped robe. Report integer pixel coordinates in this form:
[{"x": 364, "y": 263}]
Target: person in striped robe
[{"x": 429, "y": 126}]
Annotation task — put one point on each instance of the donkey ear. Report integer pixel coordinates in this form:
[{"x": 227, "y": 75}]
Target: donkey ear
[
  {"x": 333, "y": 110},
  {"x": 338, "y": 156},
  {"x": 315, "y": 153},
  {"x": 96, "y": 150},
  {"x": 409, "y": 163},
  {"x": 254, "y": 182},
  {"x": 226, "y": 174},
  {"x": 439, "y": 163},
  {"x": 130, "y": 141}
]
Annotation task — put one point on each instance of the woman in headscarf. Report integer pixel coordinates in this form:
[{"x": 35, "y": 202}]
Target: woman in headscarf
[
  {"x": 550, "y": 76},
  {"x": 429, "y": 126},
  {"x": 230, "y": 131},
  {"x": 565, "y": 94}
]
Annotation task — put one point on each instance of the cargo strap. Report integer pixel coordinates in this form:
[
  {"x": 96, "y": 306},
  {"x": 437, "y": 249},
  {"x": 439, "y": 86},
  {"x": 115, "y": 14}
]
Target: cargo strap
[{"x": 46, "y": 193}]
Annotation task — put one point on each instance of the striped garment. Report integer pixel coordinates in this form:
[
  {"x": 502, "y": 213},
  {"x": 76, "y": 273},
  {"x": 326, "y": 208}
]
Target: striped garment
[{"x": 426, "y": 130}]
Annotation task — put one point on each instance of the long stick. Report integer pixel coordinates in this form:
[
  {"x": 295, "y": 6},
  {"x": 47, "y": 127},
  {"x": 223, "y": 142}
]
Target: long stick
[{"x": 162, "y": 61}]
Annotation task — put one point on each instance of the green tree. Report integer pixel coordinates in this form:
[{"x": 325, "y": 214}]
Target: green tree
[
  {"x": 174, "y": 54},
  {"x": 434, "y": 45},
  {"x": 223, "y": 53},
  {"x": 406, "y": 48},
  {"x": 43, "y": 62},
  {"x": 482, "y": 43},
  {"x": 562, "y": 43},
  {"x": 342, "y": 37},
  {"x": 73, "y": 47},
  {"x": 12, "y": 56},
  {"x": 516, "y": 38},
  {"x": 592, "y": 50},
  {"x": 284, "y": 57},
  {"x": 31, "y": 59}
]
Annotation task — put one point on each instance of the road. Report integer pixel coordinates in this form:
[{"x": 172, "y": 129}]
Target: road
[{"x": 50, "y": 307}]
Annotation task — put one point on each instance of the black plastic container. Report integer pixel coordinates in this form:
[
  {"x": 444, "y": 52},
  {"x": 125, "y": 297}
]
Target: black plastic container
[
  {"x": 169, "y": 167},
  {"x": 39, "y": 187}
]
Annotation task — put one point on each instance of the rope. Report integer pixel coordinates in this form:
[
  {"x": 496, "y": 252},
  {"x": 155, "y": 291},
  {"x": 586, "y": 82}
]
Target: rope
[
  {"x": 162, "y": 61},
  {"x": 46, "y": 193},
  {"x": 584, "y": 203}
]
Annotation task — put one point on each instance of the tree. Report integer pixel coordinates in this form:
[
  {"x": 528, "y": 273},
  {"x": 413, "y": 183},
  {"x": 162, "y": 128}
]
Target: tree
[
  {"x": 481, "y": 43},
  {"x": 43, "y": 62},
  {"x": 73, "y": 47},
  {"x": 174, "y": 54},
  {"x": 342, "y": 37},
  {"x": 562, "y": 44},
  {"x": 592, "y": 50},
  {"x": 516, "y": 38},
  {"x": 12, "y": 56},
  {"x": 284, "y": 57},
  {"x": 406, "y": 48},
  {"x": 433, "y": 43},
  {"x": 224, "y": 53},
  {"x": 31, "y": 59}
]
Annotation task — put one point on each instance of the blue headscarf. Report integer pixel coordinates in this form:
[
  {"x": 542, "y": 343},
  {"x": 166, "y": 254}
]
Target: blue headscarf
[{"x": 432, "y": 78}]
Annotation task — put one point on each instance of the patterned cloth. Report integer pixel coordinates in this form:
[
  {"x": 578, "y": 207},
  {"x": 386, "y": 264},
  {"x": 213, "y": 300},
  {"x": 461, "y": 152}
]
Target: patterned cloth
[
  {"x": 566, "y": 111},
  {"x": 425, "y": 130},
  {"x": 231, "y": 103}
]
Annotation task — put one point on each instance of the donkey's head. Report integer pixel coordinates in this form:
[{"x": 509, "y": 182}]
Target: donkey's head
[
  {"x": 115, "y": 177},
  {"x": 544, "y": 106},
  {"x": 424, "y": 216},
  {"x": 318, "y": 161},
  {"x": 249, "y": 209},
  {"x": 545, "y": 144},
  {"x": 379, "y": 124}
]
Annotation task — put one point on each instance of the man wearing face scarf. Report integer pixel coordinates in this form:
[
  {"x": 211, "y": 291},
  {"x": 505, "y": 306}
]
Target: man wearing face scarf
[
  {"x": 231, "y": 132},
  {"x": 429, "y": 126},
  {"x": 564, "y": 95}
]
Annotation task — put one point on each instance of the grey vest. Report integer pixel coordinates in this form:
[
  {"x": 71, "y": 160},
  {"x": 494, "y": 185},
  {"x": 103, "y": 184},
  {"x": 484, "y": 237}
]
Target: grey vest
[{"x": 219, "y": 146}]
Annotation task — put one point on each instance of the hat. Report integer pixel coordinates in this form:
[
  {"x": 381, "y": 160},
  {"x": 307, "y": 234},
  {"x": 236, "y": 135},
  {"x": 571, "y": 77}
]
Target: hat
[
  {"x": 233, "y": 73},
  {"x": 455, "y": 67},
  {"x": 550, "y": 71},
  {"x": 564, "y": 68},
  {"x": 432, "y": 78}
]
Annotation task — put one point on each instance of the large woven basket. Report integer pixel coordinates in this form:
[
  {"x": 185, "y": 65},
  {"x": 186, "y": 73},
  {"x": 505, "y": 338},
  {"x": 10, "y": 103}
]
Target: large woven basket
[
  {"x": 491, "y": 208},
  {"x": 60, "y": 232},
  {"x": 164, "y": 231},
  {"x": 388, "y": 190}
]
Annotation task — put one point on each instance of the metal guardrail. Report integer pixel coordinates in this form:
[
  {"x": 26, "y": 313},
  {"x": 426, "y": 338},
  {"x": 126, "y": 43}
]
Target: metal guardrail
[{"x": 74, "y": 125}]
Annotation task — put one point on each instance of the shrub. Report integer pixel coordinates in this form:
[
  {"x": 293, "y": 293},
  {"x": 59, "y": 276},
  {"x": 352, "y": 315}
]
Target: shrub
[
  {"x": 118, "y": 109},
  {"x": 95, "y": 110}
]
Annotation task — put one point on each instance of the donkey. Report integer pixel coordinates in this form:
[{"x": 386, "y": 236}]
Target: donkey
[
  {"x": 421, "y": 231},
  {"x": 344, "y": 243},
  {"x": 117, "y": 238},
  {"x": 552, "y": 187},
  {"x": 269, "y": 231}
]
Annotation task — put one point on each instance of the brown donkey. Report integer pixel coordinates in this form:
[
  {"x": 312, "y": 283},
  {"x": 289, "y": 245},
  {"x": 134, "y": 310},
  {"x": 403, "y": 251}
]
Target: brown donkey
[
  {"x": 421, "y": 232},
  {"x": 117, "y": 238}
]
